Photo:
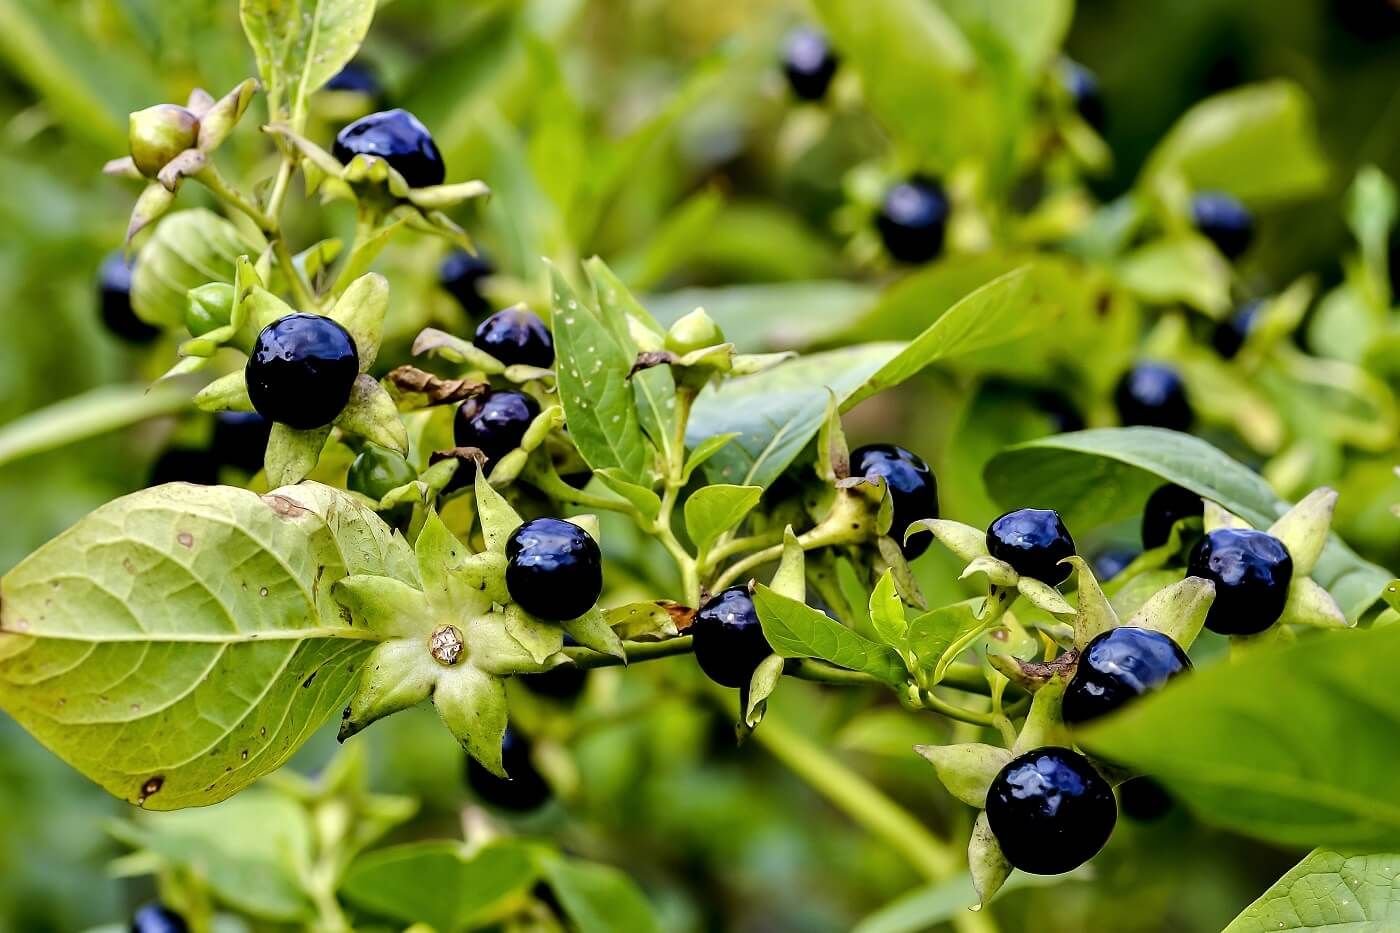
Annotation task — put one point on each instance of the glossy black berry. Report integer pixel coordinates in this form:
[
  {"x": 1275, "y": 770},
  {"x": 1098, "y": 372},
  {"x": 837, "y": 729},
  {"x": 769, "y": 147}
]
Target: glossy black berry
[
  {"x": 1033, "y": 542},
  {"x": 397, "y": 137},
  {"x": 1251, "y": 570},
  {"x": 301, "y": 370},
  {"x": 913, "y": 219},
  {"x": 1230, "y": 334},
  {"x": 809, "y": 63},
  {"x": 493, "y": 423},
  {"x": 1153, "y": 395},
  {"x": 1050, "y": 811},
  {"x": 516, "y": 337},
  {"x": 913, "y": 489},
  {"x": 554, "y": 569},
  {"x": 357, "y": 77},
  {"x": 1082, "y": 86},
  {"x": 1061, "y": 411},
  {"x": 1110, "y": 563},
  {"x": 185, "y": 465},
  {"x": 157, "y": 918},
  {"x": 240, "y": 439},
  {"x": 1166, "y": 506},
  {"x": 1119, "y": 666},
  {"x": 1224, "y": 221},
  {"x": 728, "y": 639},
  {"x": 378, "y": 471},
  {"x": 525, "y": 789},
  {"x": 1143, "y": 799},
  {"x": 460, "y": 276},
  {"x": 114, "y": 301}
]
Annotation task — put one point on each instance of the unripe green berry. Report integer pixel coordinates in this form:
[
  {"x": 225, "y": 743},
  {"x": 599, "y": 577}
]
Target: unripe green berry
[
  {"x": 695, "y": 331},
  {"x": 160, "y": 133},
  {"x": 210, "y": 307},
  {"x": 378, "y": 471}
]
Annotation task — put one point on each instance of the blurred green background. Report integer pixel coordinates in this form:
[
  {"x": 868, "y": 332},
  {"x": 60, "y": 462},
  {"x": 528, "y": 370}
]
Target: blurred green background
[{"x": 721, "y": 840}]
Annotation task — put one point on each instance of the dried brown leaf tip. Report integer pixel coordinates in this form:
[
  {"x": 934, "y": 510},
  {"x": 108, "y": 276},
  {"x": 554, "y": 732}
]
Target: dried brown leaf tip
[{"x": 410, "y": 381}]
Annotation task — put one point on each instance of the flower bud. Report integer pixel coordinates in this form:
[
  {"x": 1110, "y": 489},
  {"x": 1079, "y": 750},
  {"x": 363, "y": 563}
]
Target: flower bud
[
  {"x": 210, "y": 307},
  {"x": 160, "y": 133},
  {"x": 696, "y": 331}
]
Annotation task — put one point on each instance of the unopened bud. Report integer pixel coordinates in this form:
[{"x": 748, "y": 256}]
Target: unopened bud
[{"x": 160, "y": 133}]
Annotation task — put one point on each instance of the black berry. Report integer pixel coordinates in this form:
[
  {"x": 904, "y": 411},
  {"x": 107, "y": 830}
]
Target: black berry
[
  {"x": 493, "y": 423},
  {"x": 913, "y": 218},
  {"x": 357, "y": 77},
  {"x": 516, "y": 337},
  {"x": 913, "y": 489},
  {"x": 564, "y": 682},
  {"x": 240, "y": 439},
  {"x": 301, "y": 370},
  {"x": 1224, "y": 221},
  {"x": 1110, "y": 563},
  {"x": 378, "y": 471},
  {"x": 397, "y": 137},
  {"x": 809, "y": 63},
  {"x": 114, "y": 300},
  {"x": 1143, "y": 799},
  {"x": 728, "y": 639},
  {"x": 1166, "y": 506},
  {"x": 525, "y": 789},
  {"x": 1050, "y": 811},
  {"x": 1063, "y": 414},
  {"x": 554, "y": 569},
  {"x": 460, "y": 276},
  {"x": 1083, "y": 88},
  {"x": 1152, "y": 394},
  {"x": 1033, "y": 542},
  {"x": 157, "y": 918},
  {"x": 1230, "y": 334},
  {"x": 1251, "y": 570},
  {"x": 1119, "y": 666}
]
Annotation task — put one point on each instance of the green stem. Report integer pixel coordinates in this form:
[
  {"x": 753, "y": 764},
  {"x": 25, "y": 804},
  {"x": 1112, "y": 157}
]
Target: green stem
[
  {"x": 636, "y": 651},
  {"x": 941, "y": 706},
  {"x": 862, "y": 801},
  {"x": 734, "y": 546},
  {"x": 547, "y": 481},
  {"x": 209, "y": 177},
  {"x": 93, "y": 413},
  {"x": 301, "y": 289}
]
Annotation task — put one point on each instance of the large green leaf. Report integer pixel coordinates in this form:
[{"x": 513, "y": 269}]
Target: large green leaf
[
  {"x": 919, "y": 72},
  {"x": 778, "y": 412},
  {"x": 301, "y": 44},
  {"x": 796, "y": 630},
  {"x": 181, "y": 642},
  {"x": 1100, "y": 476},
  {"x": 248, "y": 849},
  {"x": 188, "y": 249},
  {"x": 1257, "y": 142},
  {"x": 1288, "y": 744},
  {"x": 599, "y": 898},
  {"x": 1340, "y": 892},
  {"x": 773, "y": 315},
  {"x": 592, "y": 370},
  {"x": 439, "y": 883}
]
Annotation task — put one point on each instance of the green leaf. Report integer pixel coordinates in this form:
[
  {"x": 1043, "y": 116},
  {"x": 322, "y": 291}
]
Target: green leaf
[
  {"x": 926, "y": 907},
  {"x": 1184, "y": 268},
  {"x": 919, "y": 73},
  {"x": 439, "y": 883},
  {"x": 1296, "y": 766},
  {"x": 775, "y": 315},
  {"x": 796, "y": 630},
  {"x": 1347, "y": 892},
  {"x": 248, "y": 850},
  {"x": 887, "y": 613},
  {"x": 302, "y": 44},
  {"x": 1371, "y": 213},
  {"x": 647, "y": 502},
  {"x": 713, "y": 510},
  {"x": 1257, "y": 142},
  {"x": 181, "y": 642},
  {"x": 1101, "y": 476},
  {"x": 1007, "y": 308},
  {"x": 93, "y": 413},
  {"x": 592, "y": 371},
  {"x": 704, "y": 451},
  {"x": 777, "y": 413},
  {"x": 293, "y": 454},
  {"x": 188, "y": 249},
  {"x": 934, "y": 632},
  {"x": 599, "y": 898}
]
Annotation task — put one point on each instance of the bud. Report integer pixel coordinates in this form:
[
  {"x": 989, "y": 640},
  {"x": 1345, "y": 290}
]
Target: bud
[
  {"x": 160, "y": 133},
  {"x": 696, "y": 331},
  {"x": 210, "y": 307}
]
